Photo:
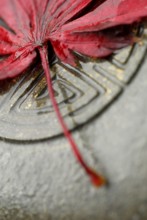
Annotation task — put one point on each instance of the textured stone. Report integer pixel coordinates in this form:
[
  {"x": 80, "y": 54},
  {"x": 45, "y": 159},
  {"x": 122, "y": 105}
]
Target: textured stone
[{"x": 42, "y": 180}]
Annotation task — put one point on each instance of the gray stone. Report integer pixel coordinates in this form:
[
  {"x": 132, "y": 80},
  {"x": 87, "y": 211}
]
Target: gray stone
[{"x": 42, "y": 180}]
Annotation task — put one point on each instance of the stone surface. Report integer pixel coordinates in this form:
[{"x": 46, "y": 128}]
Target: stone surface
[{"x": 42, "y": 180}]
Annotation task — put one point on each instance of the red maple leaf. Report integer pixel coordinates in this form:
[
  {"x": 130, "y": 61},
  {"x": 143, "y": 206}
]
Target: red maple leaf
[{"x": 69, "y": 25}]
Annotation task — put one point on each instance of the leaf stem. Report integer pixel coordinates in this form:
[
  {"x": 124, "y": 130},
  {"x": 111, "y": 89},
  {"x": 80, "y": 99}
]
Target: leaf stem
[{"x": 96, "y": 179}]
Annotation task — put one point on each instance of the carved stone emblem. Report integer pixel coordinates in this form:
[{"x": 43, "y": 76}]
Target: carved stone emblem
[{"x": 82, "y": 93}]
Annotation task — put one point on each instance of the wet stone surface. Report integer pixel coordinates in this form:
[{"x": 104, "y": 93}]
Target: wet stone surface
[{"x": 40, "y": 179}]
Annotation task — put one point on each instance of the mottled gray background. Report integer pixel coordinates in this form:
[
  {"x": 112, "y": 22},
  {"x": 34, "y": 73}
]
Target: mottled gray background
[{"x": 43, "y": 180}]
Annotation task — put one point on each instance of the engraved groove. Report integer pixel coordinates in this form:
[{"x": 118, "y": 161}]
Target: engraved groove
[{"x": 26, "y": 112}]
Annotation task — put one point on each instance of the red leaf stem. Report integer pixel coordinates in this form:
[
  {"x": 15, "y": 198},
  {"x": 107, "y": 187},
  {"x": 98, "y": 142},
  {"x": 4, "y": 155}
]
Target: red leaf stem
[{"x": 96, "y": 179}]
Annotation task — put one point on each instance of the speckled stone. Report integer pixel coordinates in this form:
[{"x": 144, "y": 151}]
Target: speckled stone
[{"x": 42, "y": 180}]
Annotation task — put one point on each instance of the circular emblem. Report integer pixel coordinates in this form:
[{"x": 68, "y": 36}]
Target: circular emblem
[{"x": 26, "y": 112}]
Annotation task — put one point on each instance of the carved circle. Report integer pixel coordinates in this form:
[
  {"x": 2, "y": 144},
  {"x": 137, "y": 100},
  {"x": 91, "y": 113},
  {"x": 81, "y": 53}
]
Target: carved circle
[{"x": 25, "y": 109}]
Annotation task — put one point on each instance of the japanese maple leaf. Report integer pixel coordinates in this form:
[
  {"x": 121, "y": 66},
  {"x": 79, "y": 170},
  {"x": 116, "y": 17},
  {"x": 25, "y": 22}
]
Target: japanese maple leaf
[{"x": 69, "y": 25}]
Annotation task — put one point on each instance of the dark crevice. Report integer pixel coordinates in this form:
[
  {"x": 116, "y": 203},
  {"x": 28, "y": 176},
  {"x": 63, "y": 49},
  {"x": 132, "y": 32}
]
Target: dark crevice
[{"x": 4, "y": 24}]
